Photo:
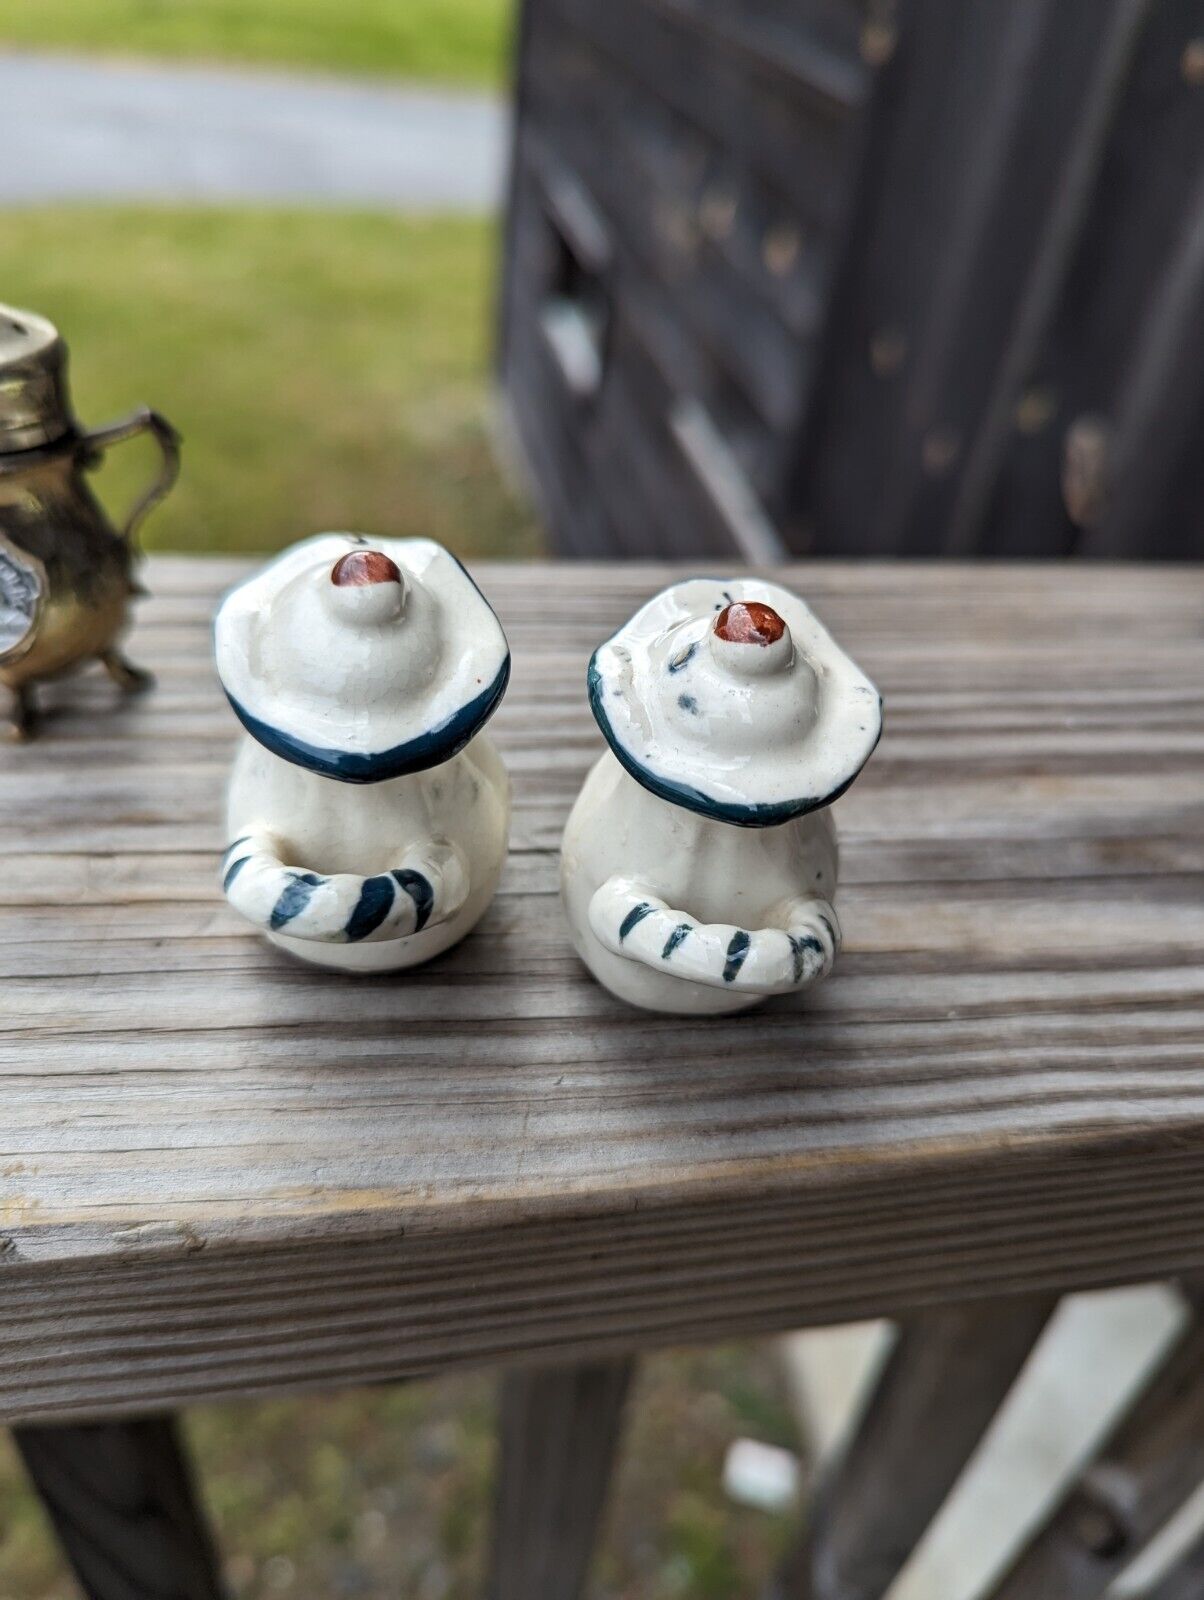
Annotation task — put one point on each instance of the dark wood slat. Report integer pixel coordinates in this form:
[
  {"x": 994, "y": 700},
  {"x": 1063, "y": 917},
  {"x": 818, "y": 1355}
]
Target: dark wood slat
[
  {"x": 1058, "y": 237},
  {"x": 614, "y": 467},
  {"x": 835, "y": 77},
  {"x": 935, "y": 268},
  {"x": 688, "y": 67},
  {"x": 1114, "y": 293},
  {"x": 974, "y": 142},
  {"x": 559, "y": 1431},
  {"x": 1184, "y": 1579},
  {"x": 667, "y": 263},
  {"x": 1153, "y": 1460},
  {"x": 1158, "y": 420},
  {"x": 941, "y": 1385},
  {"x": 121, "y": 1498},
  {"x": 661, "y": 110}
]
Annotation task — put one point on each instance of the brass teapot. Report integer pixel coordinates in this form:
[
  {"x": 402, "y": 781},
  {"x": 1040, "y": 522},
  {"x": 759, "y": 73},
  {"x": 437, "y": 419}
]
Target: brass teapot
[{"x": 66, "y": 574}]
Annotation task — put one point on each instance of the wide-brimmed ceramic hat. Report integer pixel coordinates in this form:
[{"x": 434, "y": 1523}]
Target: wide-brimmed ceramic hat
[
  {"x": 733, "y": 700},
  {"x": 362, "y": 659}
]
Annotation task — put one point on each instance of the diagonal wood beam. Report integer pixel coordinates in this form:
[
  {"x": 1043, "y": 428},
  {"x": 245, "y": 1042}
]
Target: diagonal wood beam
[{"x": 938, "y": 1391}]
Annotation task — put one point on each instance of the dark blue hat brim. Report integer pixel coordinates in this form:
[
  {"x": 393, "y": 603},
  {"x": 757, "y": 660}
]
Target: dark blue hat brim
[
  {"x": 681, "y": 794},
  {"x": 429, "y": 749}
]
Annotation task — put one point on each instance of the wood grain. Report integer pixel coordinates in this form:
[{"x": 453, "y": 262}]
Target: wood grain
[{"x": 222, "y": 1173}]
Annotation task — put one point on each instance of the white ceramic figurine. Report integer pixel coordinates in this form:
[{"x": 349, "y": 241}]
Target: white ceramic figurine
[
  {"x": 368, "y": 813},
  {"x": 699, "y": 862}
]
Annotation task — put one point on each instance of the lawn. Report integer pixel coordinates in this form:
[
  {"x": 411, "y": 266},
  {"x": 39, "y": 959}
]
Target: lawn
[
  {"x": 326, "y": 371},
  {"x": 387, "y": 1492},
  {"x": 463, "y": 41}
]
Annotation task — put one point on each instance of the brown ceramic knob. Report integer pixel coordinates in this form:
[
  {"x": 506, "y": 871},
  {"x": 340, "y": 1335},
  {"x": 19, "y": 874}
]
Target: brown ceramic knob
[
  {"x": 749, "y": 622},
  {"x": 360, "y": 567}
]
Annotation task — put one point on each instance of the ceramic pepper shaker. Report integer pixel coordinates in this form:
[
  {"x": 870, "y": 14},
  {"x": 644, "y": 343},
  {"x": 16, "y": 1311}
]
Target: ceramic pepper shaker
[
  {"x": 699, "y": 863},
  {"x": 368, "y": 813}
]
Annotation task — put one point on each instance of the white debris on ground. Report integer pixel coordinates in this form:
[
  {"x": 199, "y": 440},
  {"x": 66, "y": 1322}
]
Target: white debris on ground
[{"x": 761, "y": 1475}]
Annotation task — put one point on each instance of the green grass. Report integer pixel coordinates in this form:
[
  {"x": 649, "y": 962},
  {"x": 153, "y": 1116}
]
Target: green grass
[
  {"x": 461, "y": 41},
  {"x": 385, "y": 1492},
  {"x": 326, "y": 370}
]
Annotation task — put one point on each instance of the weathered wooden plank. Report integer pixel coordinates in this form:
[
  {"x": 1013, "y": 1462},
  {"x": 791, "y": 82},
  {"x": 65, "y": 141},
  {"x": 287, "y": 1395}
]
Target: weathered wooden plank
[
  {"x": 1079, "y": 157},
  {"x": 1156, "y": 426},
  {"x": 716, "y": 144},
  {"x": 707, "y": 88},
  {"x": 539, "y": 408},
  {"x": 221, "y": 1170},
  {"x": 148, "y": 1331},
  {"x": 983, "y": 282},
  {"x": 1122, "y": 320},
  {"x": 942, "y": 1383},
  {"x": 559, "y": 1430},
  {"x": 665, "y": 254},
  {"x": 1146, "y": 1469},
  {"x": 122, "y": 1502}
]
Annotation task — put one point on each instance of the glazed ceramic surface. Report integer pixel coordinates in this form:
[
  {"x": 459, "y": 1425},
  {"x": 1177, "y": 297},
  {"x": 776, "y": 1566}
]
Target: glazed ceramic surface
[
  {"x": 699, "y": 863},
  {"x": 368, "y": 814}
]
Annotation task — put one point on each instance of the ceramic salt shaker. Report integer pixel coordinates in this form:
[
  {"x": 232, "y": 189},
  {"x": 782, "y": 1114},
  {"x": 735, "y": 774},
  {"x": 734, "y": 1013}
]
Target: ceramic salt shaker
[
  {"x": 368, "y": 813},
  {"x": 699, "y": 863}
]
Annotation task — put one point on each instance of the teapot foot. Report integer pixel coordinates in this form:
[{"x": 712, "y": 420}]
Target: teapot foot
[
  {"x": 23, "y": 716},
  {"x": 127, "y": 677}
]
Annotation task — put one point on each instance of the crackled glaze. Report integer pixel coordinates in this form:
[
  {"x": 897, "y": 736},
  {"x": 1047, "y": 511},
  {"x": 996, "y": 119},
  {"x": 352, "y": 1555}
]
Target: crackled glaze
[
  {"x": 368, "y": 814},
  {"x": 699, "y": 863}
]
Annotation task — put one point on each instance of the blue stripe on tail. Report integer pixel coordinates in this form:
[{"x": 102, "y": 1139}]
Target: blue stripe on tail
[
  {"x": 736, "y": 952},
  {"x": 420, "y": 892},
  {"x": 372, "y": 907},
  {"x": 800, "y": 945},
  {"x": 294, "y": 899},
  {"x": 233, "y": 870}
]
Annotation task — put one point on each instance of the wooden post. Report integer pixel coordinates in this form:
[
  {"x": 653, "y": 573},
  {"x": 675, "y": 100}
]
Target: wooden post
[
  {"x": 121, "y": 1499},
  {"x": 937, "y": 1392},
  {"x": 559, "y": 1429}
]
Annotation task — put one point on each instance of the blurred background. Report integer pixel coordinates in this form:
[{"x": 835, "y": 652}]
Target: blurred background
[
  {"x": 389, "y": 1492},
  {"x": 295, "y": 267},
  {"x": 834, "y": 277}
]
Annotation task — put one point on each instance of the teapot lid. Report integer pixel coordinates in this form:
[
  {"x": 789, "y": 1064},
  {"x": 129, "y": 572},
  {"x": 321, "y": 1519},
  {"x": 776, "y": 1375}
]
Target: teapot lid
[
  {"x": 35, "y": 408},
  {"x": 733, "y": 700},
  {"x": 361, "y": 660}
]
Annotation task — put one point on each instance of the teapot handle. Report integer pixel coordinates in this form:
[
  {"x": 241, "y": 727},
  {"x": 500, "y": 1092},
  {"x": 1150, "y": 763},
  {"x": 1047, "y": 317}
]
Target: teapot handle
[
  {"x": 97, "y": 440},
  {"x": 428, "y": 885},
  {"x": 631, "y": 920}
]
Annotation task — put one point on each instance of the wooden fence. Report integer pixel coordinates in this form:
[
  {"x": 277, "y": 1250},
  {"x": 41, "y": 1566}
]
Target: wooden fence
[{"x": 858, "y": 277}]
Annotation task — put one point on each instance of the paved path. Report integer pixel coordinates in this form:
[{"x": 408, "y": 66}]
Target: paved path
[{"x": 76, "y": 129}]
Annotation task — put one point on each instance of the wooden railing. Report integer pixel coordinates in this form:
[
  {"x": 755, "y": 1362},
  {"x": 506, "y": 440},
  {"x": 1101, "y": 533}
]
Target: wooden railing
[{"x": 222, "y": 1174}]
